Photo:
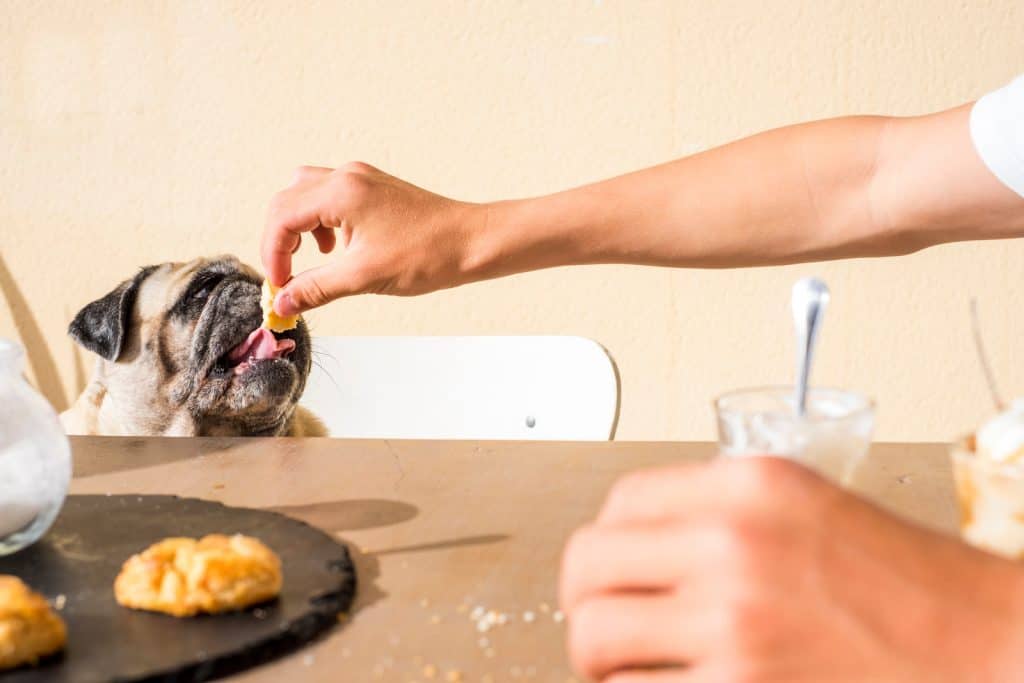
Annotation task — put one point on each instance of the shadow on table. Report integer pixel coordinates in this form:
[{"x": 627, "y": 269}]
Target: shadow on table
[
  {"x": 367, "y": 573},
  {"x": 444, "y": 545},
  {"x": 367, "y": 513},
  {"x": 368, "y": 592},
  {"x": 96, "y": 455},
  {"x": 351, "y": 514}
]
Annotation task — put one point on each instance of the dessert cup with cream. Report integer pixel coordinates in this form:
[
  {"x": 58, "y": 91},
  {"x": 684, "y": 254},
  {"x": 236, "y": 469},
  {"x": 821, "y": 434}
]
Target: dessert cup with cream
[{"x": 988, "y": 469}]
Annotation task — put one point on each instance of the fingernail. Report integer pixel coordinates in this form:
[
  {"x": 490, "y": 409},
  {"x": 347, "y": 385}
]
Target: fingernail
[{"x": 284, "y": 304}]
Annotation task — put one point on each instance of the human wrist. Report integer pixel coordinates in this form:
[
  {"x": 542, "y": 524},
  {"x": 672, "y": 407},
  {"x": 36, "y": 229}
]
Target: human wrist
[
  {"x": 477, "y": 235},
  {"x": 499, "y": 239},
  {"x": 520, "y": 235}
]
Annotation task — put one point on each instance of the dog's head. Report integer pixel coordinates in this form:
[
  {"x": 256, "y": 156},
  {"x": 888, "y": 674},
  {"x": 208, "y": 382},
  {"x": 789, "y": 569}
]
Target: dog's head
[{"x": 183, "y": 352}]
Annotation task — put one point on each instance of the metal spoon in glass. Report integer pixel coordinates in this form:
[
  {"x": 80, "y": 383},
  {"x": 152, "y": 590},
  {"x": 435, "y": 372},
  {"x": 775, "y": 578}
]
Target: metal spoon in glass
[{"x": 809, "y": 299}]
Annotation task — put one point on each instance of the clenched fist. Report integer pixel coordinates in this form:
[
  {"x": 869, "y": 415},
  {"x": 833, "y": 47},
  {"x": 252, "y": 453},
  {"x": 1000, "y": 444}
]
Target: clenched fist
[{"x": 756, "y": 570}]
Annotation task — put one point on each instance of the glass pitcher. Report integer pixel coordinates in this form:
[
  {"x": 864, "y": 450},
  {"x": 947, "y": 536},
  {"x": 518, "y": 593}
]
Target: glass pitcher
[{"x": 35, "y": 457}]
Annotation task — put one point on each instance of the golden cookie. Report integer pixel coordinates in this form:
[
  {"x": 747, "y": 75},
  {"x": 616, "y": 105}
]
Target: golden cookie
[
  {"x": 272, "y": 321},
  {"x": 29, "y": 629},
  {"x": 183, "y": 576}
]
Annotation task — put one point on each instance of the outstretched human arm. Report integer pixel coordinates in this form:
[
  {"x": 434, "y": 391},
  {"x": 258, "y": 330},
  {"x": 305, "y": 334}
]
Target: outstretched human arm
[{"x": 839, "y": 188}]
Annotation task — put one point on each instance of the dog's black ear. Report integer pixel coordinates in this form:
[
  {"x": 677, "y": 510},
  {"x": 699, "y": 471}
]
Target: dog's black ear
[{"x": 103, "y": 325}]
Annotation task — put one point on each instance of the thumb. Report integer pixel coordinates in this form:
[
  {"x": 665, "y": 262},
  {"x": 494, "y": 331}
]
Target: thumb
[{"x": 316, "y": 287}]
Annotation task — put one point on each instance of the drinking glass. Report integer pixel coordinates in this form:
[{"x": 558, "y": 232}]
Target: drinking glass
[{"x": 831, "y": 438}]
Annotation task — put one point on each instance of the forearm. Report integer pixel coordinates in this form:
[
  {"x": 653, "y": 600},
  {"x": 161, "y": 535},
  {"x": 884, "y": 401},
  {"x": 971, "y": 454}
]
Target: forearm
[
  {"x": 841, "y": 188},
  {"x": 781, "y": 196}
]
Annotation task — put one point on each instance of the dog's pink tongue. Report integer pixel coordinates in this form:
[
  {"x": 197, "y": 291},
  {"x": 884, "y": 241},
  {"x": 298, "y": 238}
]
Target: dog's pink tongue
[{"x": 263, "y": 345}]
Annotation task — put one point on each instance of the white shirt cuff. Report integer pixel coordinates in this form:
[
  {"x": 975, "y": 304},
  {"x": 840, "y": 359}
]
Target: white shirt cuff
[{"x": 997, "y": 129}]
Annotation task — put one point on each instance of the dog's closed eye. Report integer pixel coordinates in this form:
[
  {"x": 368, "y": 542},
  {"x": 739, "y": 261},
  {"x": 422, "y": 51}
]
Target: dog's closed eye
[
  {"x": 193, "y": 299},
  {"x": 203, "y": 285}
]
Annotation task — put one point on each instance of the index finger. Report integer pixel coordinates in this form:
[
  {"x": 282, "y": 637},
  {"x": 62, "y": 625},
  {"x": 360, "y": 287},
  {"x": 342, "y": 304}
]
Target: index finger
[
  {"x": 276, "y": 252},
  {"x": 290, "y": 215},
  {"x": 292, "y": 212},
  {"x": 692, "y": 488}
]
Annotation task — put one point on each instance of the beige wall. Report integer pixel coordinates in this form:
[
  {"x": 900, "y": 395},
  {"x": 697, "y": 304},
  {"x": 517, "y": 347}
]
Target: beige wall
[{"x": 136, "y": 132}]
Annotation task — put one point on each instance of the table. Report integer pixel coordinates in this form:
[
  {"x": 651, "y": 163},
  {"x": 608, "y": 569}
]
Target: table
[{"x": 443, "y": 532}]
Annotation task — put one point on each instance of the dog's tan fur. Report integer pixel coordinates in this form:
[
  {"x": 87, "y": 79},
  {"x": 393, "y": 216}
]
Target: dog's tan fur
[{"x": 141, "y": 391}]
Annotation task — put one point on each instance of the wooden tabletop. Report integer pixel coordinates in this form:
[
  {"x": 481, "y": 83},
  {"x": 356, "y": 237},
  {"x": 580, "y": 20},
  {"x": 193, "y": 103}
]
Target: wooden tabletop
[{"x": 445, "y": 531}]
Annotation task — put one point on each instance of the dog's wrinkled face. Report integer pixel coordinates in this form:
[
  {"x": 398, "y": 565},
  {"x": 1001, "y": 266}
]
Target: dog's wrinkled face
[{"x": 184, "y": 352}]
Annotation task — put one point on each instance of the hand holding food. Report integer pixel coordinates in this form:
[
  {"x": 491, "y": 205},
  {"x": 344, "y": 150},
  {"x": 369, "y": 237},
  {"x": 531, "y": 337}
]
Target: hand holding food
[{"x": 395, "y": 238}]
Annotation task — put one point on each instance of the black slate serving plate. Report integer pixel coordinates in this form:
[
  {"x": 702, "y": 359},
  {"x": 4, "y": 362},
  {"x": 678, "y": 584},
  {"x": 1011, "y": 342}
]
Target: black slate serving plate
[{"x": 83, "y": 552}]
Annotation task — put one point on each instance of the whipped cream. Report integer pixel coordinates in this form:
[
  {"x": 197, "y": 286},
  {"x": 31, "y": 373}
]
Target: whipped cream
[{"x": 1001, "y": 439}]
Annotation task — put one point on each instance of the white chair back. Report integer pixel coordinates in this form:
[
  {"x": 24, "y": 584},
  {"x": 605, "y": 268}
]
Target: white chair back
[{"x": 556, "y": 388}]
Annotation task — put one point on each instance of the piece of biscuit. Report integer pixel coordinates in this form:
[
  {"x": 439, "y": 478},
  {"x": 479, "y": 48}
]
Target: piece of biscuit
[
  {"x": 272, "y": 321},
  {"x": 29, "y": 629},
  {"x": 183, "y": 576}
]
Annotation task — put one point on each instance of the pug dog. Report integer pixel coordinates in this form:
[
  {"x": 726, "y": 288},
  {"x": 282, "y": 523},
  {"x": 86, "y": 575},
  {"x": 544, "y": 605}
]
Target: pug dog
[{"x": 181, "y": 353}]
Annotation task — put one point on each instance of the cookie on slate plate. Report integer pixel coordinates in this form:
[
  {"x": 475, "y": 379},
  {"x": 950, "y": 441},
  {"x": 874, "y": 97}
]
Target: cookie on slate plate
[
  {"x": 29, "y": 629},
  {"x": 184, "y": 576}
]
